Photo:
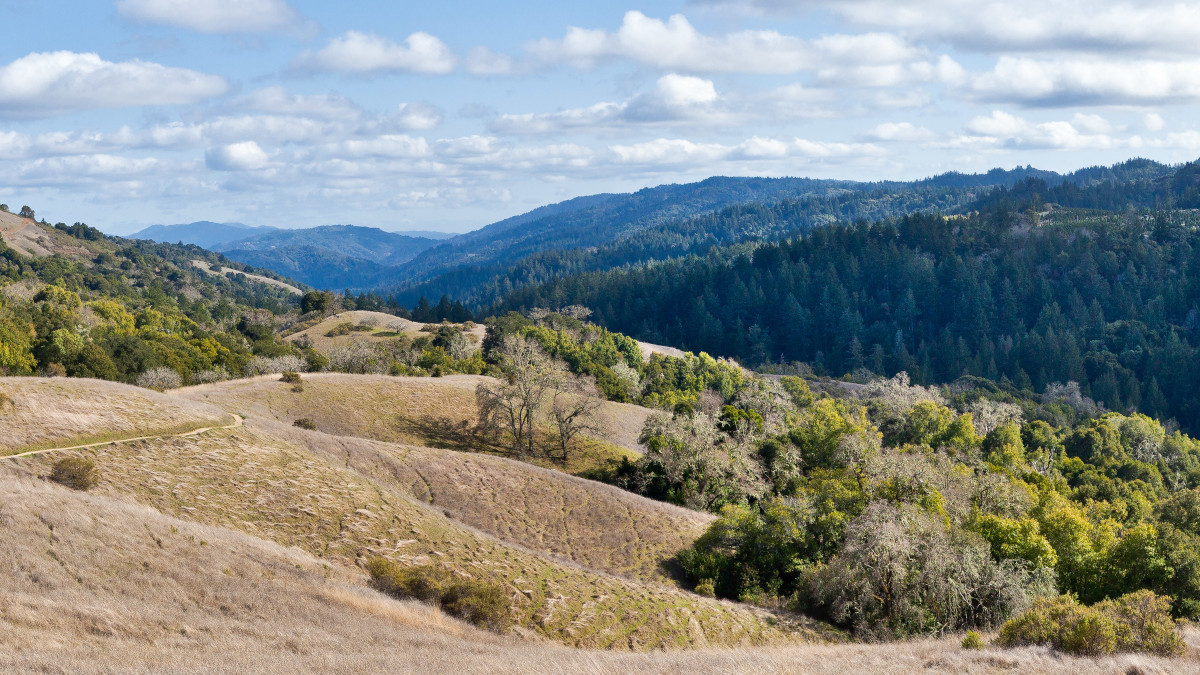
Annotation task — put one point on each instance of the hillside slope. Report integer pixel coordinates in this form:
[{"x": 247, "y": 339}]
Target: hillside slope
[
  {"x": 247, "y": 479},
  {"x": 101, "y": 586}
]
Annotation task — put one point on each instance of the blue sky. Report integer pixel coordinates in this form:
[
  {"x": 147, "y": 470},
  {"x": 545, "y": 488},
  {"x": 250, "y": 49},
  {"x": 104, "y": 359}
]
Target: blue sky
[{"x": 451, "y": 115}]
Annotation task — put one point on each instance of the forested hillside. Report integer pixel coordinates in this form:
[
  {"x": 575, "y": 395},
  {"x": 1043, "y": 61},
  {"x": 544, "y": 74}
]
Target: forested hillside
[
  {"x": 1016, "y": 291},
  {"x": 89, "y": 305},
  {"x": 602, "y": 231}
]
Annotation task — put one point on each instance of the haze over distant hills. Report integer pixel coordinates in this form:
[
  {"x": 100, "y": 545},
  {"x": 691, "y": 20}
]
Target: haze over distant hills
[
  {"x": 329, "y": 256},
  {"x": 596, "y": 232}
]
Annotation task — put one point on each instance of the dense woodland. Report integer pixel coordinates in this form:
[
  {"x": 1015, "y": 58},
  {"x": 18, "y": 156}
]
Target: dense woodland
[
  {"x": 1010, "y": 292},
  {"x": 894, "y": 509}
]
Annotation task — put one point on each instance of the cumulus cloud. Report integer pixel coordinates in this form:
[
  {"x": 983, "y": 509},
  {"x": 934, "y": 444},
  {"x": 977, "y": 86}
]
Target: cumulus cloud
[
  {"x": 899, "y": 131},
  {"x": 675, "y": 98},
  {"x": 244, "y": 156},
  {"x": 212, "y": 16},
  {"x": 676, "y": 44},
  {"x": 357, "y": 52},
  {"x": 1068, "y": 82},
  {"x": 50, "y": 83},
  {"x": 1162, "y": 26},
  {"x": 418, "y": 116},
  {"x": 1005, "y": 130},
  {"x": 280, "y": 101}
]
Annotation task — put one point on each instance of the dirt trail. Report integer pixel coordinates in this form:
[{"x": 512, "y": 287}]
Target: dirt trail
[{"x": 237, "y": 422}]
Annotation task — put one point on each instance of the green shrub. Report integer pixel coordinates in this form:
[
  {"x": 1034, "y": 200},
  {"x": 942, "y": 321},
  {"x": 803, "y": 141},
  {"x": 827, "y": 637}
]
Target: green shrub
[
  {"x": 290, "y": 377},
  {"x": 1144, "y": 623},
  {"x": 1137, "y": 622},
  {"x": 77, "y": 473},
  {"x": 707, "y": 588},
  {"x": 305, "y": 423},
  {"x": 484, "y": 604},
  {"x": 973, "y": 640},
  {"x": 343, "y": 328},
  {"x": 424, "y": 582}
]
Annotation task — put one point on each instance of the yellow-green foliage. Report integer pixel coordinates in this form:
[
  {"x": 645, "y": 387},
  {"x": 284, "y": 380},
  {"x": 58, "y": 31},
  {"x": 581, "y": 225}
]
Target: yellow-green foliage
[
  {"x": 1137, "y": 622},
  {"x": 483, "y": 604},
  {"x": 972, "y": 640},
  {"x": 1019, "y": 539},
  {"x": 77, "y": 473}
]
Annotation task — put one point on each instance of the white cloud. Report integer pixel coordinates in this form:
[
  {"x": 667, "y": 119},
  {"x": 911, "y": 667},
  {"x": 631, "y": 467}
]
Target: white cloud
[
  {"x": 1102, "y": 26},
  {"x": 899, "y": 131},
  {"x": 357, "y": 52},
  {"x": 49, "y": 83},
  {"x": 674, "y": 151},
  {"x": 212, "y": 16},
  {"x": 676, "y": 44},
  {"x": 244, "y": 156},
  {"x": 1153, "y": 122},
  {"x": 683, "y": 90},
  {"x": 1033, "y": 82},
  {"x": 279, "y": 101},
  {"x": 675, "y": 98},
  {"x": 1001, "y": 129},
  {"x": 418, "y": 116}
]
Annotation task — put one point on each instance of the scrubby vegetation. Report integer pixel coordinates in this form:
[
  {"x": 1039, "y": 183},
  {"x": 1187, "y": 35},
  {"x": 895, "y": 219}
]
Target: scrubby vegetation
[
  {"x": 1137, "y": 622},
  {"x": 77, "y": 473},
  {"x": 483, "y": 604}
]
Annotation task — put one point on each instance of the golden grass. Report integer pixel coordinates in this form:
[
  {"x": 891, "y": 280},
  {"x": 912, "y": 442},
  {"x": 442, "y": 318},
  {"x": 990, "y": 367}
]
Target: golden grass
[
  {"x": 95, "y": 585},
  {"x": 247, "y": 480},
  {"x": 383, "y": 323},
  {"x": 591, "y": 524},
  {"x": 54, "y": 412},
  {"x": 432, "y": 411},
  {"x": 206, "y": 267}
]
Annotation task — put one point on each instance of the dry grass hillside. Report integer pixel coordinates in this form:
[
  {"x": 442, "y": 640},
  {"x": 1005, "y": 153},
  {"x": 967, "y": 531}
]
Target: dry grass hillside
[
  {"x": 55, "y": 412},
  {"x": 379, "y": 327},
  {"x": 96, "y": 585},
  {"x": 206, "y": 267},
  {"x": 36, "y": 240},
  {"x": 248, "y": 480},
  {"x": 434, "y": 411},
  {"x": 591, "y": 524}
]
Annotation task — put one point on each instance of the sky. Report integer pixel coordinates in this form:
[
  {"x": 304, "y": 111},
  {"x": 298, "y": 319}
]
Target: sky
[{"x": 452, "y": 115}]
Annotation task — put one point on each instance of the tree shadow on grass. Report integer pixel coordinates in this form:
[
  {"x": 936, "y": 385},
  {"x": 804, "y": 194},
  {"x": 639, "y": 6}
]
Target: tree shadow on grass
[{"x": 447, "y": 434}]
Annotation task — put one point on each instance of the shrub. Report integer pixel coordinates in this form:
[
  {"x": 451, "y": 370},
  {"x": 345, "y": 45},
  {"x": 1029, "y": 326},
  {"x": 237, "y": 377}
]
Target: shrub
[
  {"x": 483, "y": 604},
  {"x": 54, "y": 370},
  {"x": 77, "y": 473},
  {"x": 298, "y": 387},
  {"x": 1136, "y": 622},
  {"x": 343, "y": 328},
  {"x": 305, "y": 423},
  {"x": 6, "y": 402},
  {"x": 161, "y": 379},
  {"x": 707, "y": 588},
  {"x": 973, "y": 640},
  {"x": 291, "y": 377}
]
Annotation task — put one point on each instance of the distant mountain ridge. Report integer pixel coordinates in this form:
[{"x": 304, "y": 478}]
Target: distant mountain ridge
[
  {"x": 595, "y": 232},
  {"x": 204, "y": 233},
  {"x": 328, "y": 256}
]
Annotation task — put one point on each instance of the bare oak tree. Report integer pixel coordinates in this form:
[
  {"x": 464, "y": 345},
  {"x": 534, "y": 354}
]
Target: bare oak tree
[
  {"x": 573, "y": 410},
  {"x": 512, "y": 404}
]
